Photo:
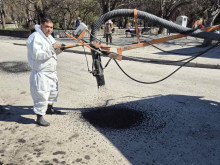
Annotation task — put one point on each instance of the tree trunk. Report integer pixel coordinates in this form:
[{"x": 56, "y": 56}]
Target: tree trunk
[
  {"x": 212, "y": 14},
  {"x": 161, "y": 12},
  {"x": 167, "y": 9},
  {"x": 2, "y": 12},
  {"x": 125, "y": 22},
  {"x": 30, "y": 19},
  {"x": 64, "y": 21}
]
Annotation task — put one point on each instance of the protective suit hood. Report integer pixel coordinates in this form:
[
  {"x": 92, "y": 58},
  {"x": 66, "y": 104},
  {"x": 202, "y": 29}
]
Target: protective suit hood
[{"x": 50, "y": 39}]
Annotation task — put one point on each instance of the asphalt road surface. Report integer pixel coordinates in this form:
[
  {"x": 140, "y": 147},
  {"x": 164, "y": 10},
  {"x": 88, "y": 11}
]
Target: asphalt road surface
[{"x": 172, "y": 122}]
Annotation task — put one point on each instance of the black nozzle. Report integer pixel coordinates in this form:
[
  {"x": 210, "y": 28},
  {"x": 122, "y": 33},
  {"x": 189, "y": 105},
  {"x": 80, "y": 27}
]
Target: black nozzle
[{"x": 100, "y": 80}]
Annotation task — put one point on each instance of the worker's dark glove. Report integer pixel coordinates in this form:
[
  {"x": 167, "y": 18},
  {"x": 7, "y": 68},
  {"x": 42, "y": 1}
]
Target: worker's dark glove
[{"x": 63, "y": 47}]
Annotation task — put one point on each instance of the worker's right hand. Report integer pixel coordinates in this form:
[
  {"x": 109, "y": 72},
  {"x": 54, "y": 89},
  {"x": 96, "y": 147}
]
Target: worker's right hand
[
  {"x": 63, "y": 47},
  {"x": 57, "y": 46}
]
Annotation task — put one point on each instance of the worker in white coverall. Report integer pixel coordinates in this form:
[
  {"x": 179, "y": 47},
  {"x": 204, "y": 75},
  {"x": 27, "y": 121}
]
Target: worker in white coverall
[{"x": 42, "y": 58}]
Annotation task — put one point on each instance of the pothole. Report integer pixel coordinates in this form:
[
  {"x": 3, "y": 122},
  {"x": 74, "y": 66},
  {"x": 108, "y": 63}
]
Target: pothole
[
  {"x": 15, "y": 67},
  {"x": 114, "y": 117}
]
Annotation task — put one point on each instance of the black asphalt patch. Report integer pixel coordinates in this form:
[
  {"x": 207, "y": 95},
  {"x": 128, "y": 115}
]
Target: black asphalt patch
[
  {"x": 114, "y": 117},
  {"x": 14, "y": 67}
]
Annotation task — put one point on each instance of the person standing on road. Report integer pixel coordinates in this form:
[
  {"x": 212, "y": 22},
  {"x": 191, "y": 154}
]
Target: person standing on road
[
  {"x": 108, "y": 30},
  {"x": 42, "y": 58},
  {"x": 78, "y": 21}
]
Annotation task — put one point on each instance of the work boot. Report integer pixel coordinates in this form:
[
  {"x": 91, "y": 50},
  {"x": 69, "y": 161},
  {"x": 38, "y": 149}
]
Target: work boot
[
  {"x": 41, "y": 121},
  {"x": 51, "y": 111}
]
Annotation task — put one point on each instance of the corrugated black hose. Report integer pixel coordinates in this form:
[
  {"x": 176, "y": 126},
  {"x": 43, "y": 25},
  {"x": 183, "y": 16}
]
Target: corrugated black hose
[{"x": 144, "y": 16}]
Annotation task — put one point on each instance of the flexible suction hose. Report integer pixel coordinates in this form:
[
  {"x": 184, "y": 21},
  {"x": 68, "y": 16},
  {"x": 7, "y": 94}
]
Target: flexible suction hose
[
  {"x": 150, "y": 17},
  {"x": 144, "y": 16}
]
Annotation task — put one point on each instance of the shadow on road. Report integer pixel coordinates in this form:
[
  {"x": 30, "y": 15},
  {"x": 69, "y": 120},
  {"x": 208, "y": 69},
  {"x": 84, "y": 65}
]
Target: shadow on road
[
  {"x": 19, "y": 44},
  {"x": 192, "y": 51},
  {"x": 171, "y": 129},
  {"x": 162, "y": 129},
  {"x": 10, "y": 113},
  {"x": 77, "y": 52}
]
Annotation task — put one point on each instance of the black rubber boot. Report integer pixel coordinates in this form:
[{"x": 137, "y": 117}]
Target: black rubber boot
[
  {"x": 41, "y": 121},
  {"x": 51, "y": 111}
]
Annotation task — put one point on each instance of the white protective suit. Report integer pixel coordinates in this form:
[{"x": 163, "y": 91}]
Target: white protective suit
[{"x": 42, "y": 59}]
